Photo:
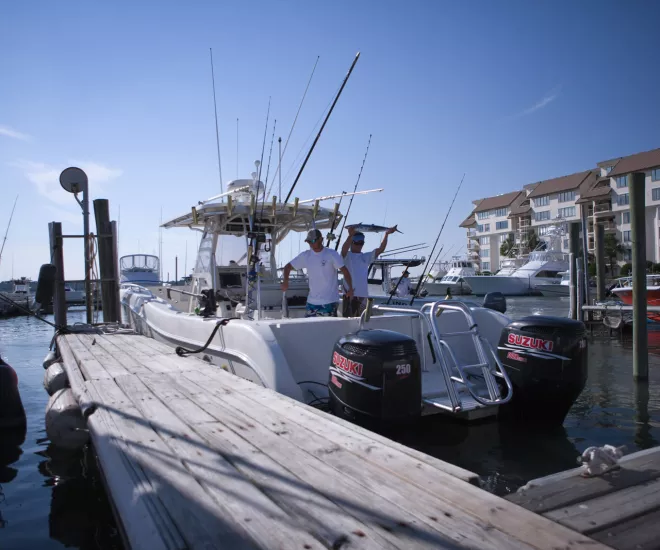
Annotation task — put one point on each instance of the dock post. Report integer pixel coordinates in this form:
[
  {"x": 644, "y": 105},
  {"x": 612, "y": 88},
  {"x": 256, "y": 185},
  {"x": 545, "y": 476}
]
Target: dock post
[
  {"x": 580, "y": 292},
  {"x": 584, "y": 280},
  {"x": 109, "y": 286},
  {"x": 574, "y": 244},
  {"x": 599, "y": 250},
  {"x": 115, "y": 255},
  {"x": 636, "y": 189},
  {"x": 57, "y": 259},
  {"x": 572, "y": 309}
]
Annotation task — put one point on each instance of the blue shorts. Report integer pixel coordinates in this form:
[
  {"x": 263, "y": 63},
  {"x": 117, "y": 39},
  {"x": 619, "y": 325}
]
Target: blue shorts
[{"x": 325, "y": 310}]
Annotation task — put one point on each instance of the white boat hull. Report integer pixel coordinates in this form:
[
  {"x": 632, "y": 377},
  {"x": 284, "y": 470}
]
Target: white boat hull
[
  {"x": 554, "y": 290},
  {"x": 440, "y": 289},
  {"x": 507, "y": 285}
]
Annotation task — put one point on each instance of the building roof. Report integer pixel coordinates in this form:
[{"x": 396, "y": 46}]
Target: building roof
[
  {"x": 556, "y": 185},
  {"x": 595, "y": 187},
  {"x": 468, "y": 222},
  {"x": 638, "y": 162},
  {"x": 500, "y": 201},
  {"x": 519, "y": 210}
]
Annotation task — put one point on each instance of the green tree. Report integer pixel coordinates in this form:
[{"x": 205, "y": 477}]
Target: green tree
[
  {"x": 532, "y": 240},
  {"x": 507, "y": 246},
  {"x": 612, "y": 248}
]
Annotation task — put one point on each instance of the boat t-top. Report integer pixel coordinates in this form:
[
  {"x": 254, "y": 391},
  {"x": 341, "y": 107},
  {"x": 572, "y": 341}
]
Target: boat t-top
[{"x": 392, "y": 364}]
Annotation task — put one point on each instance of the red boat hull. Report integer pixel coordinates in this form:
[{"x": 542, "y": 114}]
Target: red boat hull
[{"x": 652, "y": 299}]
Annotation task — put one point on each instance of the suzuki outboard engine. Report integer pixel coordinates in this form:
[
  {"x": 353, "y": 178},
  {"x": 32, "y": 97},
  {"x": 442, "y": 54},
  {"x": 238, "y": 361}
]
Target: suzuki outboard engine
[
  {"x": 546, "y": 361},
  {"x": 496, "y": 301},
  {"x": 375, "y": 378}
]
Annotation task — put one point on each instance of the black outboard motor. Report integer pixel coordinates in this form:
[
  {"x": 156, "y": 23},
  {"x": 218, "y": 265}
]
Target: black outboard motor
[
  {"x": 375, "y": 378},
  {"x": 496, "y": 301},
  {"x": 546, "y": 360},
  {"x": 12, "y": 413}
]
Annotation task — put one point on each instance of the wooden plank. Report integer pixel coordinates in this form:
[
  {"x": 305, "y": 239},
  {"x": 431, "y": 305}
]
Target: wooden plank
[
  {"x": 90, "y": 367},
  {"x": 143, "y": 516},
  {"x": 139, "y": 342},
  {"x": 603, "y": 512},
  {"x": 190, "y": 506},
  {"x": 638, "y": 468},
  {"x": 642, "y": 533},
  {"x": 109, "y": 363},
  {"x": 330, "y": 522},
  {"x": 235, "y": 496},
  {"x": 76, "y": 381},
  {"x": 155, "y": 345},
  {"x": 127, "y": 357},
  {"x": 339, "y": 427},
  {"x": 407, "y": 504},
  {"x": 483, "y": 506}
]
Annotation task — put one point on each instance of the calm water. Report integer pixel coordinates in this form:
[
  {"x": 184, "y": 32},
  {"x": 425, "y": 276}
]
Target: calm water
[{"x": 54, "y": 500}]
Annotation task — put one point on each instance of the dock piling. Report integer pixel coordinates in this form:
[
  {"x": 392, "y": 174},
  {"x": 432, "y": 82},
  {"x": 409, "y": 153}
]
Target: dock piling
[
  {"x": 636, "y": 189},
  {"x": 580, "y": 292},
  {"x": 572, "y": 312},
  {"x": 107, "y": 260},
  {"x": 599, "y": 250},
  {"x": 57, "y": 259}
]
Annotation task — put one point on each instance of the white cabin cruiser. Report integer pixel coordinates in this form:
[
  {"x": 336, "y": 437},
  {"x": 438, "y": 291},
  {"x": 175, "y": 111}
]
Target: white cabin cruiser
[
  {"x": 141, "y": 269},
  {"x": 557, "y": 288},
  {"x": 452, "y": 279},
  {"x": 20, "y": 294},
  {"x": 544, "y": 266},
  {"x": 393, "y": 363}
]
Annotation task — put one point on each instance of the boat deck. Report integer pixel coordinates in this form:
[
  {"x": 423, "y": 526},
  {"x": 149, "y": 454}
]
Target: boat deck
[
  {"x": 194, "y": 457},
  {"x": 620, "y": 508}
]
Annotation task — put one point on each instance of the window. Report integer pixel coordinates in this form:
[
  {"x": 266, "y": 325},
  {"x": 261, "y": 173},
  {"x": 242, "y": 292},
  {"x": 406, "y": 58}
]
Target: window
[
  {"x": 622, "y": 181},
  {"x": 480, "y": 228},
  {"x": 486, "y": 227},
  {"x": 501, "y": 212},
  {"x": 567, "y": 196},
  {"x": 484, "y": 240},
  {"x": 625, "y": 217},
  {"x": 483, "y": 215},
  {"x": 627, "y": 255},
  {"x": 540, "y": 216},
  {"x": 485, "y": 253},
  {"x": 565, "y": 243},
  {"x": 655, "y": 194},
  {"x": 502, "y": 225},
  {"x": 626, "y": 237},
  {"x": 542, "y": 201},
  {"x": 542, "y": 230},
  {"x": 622, "y": 200},
  {"x": 504, "y": 237},
  {"x": 655, "y": 174},
  {"x": 608, "y": 169},
  {"x": 567, "y": 212},
  {"x": 485, "y": 266}
]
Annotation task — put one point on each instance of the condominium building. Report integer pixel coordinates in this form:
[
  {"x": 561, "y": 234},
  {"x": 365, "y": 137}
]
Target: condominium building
[{"x": 600, "y": 193}]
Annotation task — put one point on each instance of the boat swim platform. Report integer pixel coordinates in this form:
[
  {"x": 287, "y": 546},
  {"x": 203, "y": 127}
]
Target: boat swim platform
[
  {"x": 620, "y": 508},
  {"x": 195, "y": 457}
]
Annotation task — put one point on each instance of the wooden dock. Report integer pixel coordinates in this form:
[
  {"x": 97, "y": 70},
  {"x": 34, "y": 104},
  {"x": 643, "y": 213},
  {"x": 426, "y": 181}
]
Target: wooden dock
[
  {"x": 194, "y": 457},
  {"x": 620, "y": 508}
]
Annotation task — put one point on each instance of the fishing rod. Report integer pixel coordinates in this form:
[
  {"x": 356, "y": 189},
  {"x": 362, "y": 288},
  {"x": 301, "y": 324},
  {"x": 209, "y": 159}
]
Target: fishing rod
[
  {"x": 293, "y": 125},
  {"x": 403, "y": 251},
  {"x": 8, "y": 226},
  {"x": 217, "y": 135},
  {"x": 393, "y": 292},
  {"x": 395, "y": 250},
  {"x": 309, "y": 154},
  {"x": 419, "y": 282},
  {"x": 351, "y": 201}
]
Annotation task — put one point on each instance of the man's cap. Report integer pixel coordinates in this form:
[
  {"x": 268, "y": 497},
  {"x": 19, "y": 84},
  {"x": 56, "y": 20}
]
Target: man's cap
[
  {"x": 358, "y": 237},
  {"x": 312, "y": 235}
]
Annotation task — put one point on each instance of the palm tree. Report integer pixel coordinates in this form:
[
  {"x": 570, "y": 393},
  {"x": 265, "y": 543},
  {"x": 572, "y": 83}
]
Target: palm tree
[
  {"x": 532, "y": 240},
  {"x": 507, "y": 246},
  {"x": 612, "y": 248}
]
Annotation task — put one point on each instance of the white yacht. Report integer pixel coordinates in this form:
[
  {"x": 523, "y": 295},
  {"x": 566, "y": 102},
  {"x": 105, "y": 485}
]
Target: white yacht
[
  {"x": 453, "y": 279},
  {"x": 239, "y": 320},
  {"x": 544, "y": 266},
  {"x": 560, "y": 287},
  {"x": 21, "y": 295},
  {"x": 140, "y": 269}
]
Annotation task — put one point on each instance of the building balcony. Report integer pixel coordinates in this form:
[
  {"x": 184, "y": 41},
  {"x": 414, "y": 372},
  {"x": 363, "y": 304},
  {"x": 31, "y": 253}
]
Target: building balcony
[
  {"x": 473, "y": 245},
  {"x": 609, "y": 226},
  {"x": 603, "y": 210},
  {"x": 472, "y": 234}
]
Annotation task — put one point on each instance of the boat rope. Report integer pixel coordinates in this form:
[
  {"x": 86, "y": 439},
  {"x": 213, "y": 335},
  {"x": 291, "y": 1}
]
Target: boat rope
[{"x": 182, "y": 352}]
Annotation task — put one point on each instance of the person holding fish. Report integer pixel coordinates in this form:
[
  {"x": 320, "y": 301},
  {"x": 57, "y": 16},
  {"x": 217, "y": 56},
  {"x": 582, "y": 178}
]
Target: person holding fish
[
  {"x": 358, "y": 263},
  {"x": 322, "y": 265}
]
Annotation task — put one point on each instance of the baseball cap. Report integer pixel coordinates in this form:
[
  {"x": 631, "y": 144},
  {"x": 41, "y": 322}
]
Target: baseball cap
[
  {"x": 312, "y": 235},
  {"x": 358, "y": 238}
]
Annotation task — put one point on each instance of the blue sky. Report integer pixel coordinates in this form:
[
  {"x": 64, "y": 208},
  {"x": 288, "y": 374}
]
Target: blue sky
[{"x": 507, "y": 92}]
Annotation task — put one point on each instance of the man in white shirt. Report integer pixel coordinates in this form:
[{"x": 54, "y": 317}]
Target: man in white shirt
[
  {"x": 322, "y": 265},
  {"x": 402, "y": 285},
  {"x": 358, "y": 263}
]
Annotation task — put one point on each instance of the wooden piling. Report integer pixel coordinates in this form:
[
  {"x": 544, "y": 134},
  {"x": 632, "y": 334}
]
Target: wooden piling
[
  {"x": 574, "y": 244},
  {"x": 580, "y": 292},
  {"x": 636, "y": 190},
  {"x": 599, "y": 251},
  {"x": 109, "y": 286},
  {"x": 57, "y": 259},
  {"x": 572, "y": 311}
]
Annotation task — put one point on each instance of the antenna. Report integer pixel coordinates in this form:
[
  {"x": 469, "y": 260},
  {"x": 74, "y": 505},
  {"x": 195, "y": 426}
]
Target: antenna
[
  {"x": 236, "y": 148},
  {"x": 215, "y": 108}
]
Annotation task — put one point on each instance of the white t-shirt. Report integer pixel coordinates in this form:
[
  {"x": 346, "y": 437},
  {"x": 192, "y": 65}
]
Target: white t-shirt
[
  {"x": 358, "y": 264},
  {"x": 403, "y": 288},
  {"x": 322, "y": 274}
]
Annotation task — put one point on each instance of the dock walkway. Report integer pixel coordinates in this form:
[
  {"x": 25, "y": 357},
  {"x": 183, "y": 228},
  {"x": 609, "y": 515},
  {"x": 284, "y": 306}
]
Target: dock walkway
[
  {"x": 194, "y": 457},
  {"x": 620, "y": 508}
]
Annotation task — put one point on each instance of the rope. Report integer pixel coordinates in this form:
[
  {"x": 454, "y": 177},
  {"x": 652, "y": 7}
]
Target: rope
[{"x": 182, "y": 352}]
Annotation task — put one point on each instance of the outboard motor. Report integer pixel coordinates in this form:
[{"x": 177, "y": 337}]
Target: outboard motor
[
  {"x": 375, "y": 378},
  {"x": 496, "y": 301},
  {"x": 546, "y": 361},
  {"x": 12, "y": 413}
]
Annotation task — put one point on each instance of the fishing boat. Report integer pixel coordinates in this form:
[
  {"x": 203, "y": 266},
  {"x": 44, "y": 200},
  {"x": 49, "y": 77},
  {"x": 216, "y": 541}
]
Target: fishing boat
[
  {"x": 559, "y": 287},
  {"x": 623, "y": 290},
  {"x": 453, "y": 279},
  {"x": 19, "y": 295},
  {"x": 139, "y": 268},
  {"x": 543, "y": 266},
  {"x": 393, "y": 364}
]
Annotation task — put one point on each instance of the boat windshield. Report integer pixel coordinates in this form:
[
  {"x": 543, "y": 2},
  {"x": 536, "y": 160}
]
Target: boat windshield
[{"x": 138, "y": 263}]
